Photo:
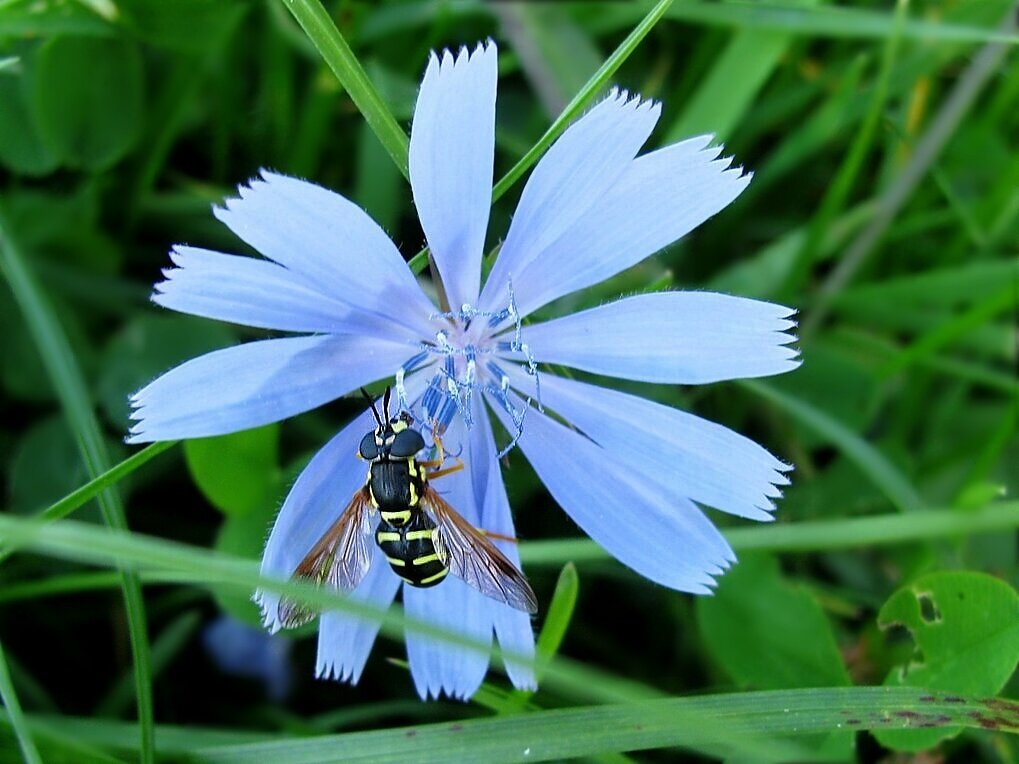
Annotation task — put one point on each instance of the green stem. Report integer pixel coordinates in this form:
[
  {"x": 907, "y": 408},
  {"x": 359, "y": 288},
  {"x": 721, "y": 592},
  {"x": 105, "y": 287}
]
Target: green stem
[{"x": 67, "y": 380}]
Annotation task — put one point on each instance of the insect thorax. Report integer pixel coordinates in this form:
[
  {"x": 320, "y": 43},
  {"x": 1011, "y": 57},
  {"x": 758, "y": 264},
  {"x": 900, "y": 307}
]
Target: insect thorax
[{"x": 396, "y": 486}]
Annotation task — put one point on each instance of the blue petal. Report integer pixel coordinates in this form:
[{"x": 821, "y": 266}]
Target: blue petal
[
  {"x": 513, "y": 627},
  {"x": 659, "y": 534},
  {"x": 452, "y": 149},
  {"x": 330, "y": 242},
  {"x": 672, "y": 337},
  {"x": 702, "y": 460},
  {"x": 254, "y": 292},
  {"x": 580, "y": 168},
  {"x": 439, "y": 666},
  {"x": 345, "y": 640},
  {"x": 315, "y": 502},
  {"x": 259, "y": 382},
  {"x": 658, "y": 199}
]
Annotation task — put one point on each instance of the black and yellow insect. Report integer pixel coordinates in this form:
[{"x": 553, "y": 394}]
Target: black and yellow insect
[{"x": 423, "y": 538}]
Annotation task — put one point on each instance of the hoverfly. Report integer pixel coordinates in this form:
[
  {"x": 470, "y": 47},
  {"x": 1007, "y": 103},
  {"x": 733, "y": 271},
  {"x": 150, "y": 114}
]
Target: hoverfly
[{"x": 423, "y": 538}]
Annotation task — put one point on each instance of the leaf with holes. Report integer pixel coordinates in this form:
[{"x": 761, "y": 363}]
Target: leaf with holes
[{"x": 966, "y": 630}]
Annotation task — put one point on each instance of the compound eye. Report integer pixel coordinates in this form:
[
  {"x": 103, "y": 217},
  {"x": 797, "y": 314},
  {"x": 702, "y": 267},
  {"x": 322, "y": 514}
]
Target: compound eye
[
  {"x": 407, "y": 443},
  {"x": 368, "y": 449}
]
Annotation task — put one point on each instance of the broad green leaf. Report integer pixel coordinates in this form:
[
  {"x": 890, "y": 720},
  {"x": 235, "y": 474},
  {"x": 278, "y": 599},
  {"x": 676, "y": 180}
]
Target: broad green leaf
[
  {"x": 45, "y": 18},
  {"x": 87, "y": 96},
  {"x": 21, "y": 370},
  {"x": 46, "y": 465},
  {"x": 65, "y": 227},
  {"x": 21, "y": 149},
  {"x": 144, "y": 348},
  {"x": 186, "y": 25},
  {"x": 965, "y": 627},
  {"x": 768, "y": 633},
  {"x": 238, "y": 473},
  {"x": 243, "y": 534}
]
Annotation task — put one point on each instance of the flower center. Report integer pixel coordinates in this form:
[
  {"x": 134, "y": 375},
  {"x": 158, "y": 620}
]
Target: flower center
[{"x": 465, "y": 354}]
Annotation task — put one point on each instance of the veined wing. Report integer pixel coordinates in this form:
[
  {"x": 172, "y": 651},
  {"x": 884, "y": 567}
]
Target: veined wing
[
  {"x": 340, "y": 558},
  {"x": 473, "y": 558}
]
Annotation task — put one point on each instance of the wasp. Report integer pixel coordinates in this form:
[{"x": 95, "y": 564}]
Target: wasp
[{"x": 423, "y": 538}]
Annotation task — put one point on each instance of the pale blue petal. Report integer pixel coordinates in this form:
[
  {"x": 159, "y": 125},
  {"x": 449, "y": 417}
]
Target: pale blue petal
[
  {"x": 700, "y": 460},
  {"x": 580, "y": 168},
  {"x": 452, "y": 150},
  {"x": 439, "y": 666},
  {"x": 259, "y": 382},
  {"x": 260, "y": 293},
  {"x": 657, "y": 533},
  {"x": 344, "y": 639},
  {"x": 658, "y": 199},
  {"x": 330, "y": 242},
  {"x": 315, "y": 502},
  {"x": 513, "y": 627},
  {"x": 672, "y": 337}
]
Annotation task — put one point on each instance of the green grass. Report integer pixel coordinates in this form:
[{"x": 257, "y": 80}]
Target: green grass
[{"x": 885, "y": 208}]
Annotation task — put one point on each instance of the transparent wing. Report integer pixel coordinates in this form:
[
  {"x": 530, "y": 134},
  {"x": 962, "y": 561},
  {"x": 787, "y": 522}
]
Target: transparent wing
[
  {"x": 473, "y": 558},
  {"x": 340, "y": 558}
]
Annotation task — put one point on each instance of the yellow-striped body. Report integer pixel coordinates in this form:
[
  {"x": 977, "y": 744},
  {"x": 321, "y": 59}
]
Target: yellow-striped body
[
  {"x": 405, "y": 532},
  {"x": 411, "y": 550}
]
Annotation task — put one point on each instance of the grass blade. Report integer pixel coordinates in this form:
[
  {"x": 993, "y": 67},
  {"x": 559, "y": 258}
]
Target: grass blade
[
  {"x": 317, "y": 24},
  {"x": 10, "y": 699},
  {"x": 710, "y": 722},
  {"x": 67, "y": 380},
  {"x": 816, "y": 535},
  {"x": 838, "y": 192}
]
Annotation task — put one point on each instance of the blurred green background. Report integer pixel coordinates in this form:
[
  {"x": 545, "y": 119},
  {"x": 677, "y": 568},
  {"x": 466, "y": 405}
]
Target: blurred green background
[{"x": 884, "y": 139}]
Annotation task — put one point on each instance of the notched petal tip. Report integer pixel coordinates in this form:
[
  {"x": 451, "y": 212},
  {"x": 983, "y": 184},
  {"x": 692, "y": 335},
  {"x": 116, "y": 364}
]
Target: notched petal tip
[{"x": 331, "y": 672}]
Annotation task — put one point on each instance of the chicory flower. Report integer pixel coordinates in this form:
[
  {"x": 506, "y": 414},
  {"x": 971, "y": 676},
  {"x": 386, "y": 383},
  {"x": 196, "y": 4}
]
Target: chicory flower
[{"x": 630, "y": 472}]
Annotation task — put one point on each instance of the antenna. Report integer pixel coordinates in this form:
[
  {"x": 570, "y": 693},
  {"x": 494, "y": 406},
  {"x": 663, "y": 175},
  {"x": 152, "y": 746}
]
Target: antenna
[
  {"x": 371, "y": 403},
  {"x": 385, "y": 402}
]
